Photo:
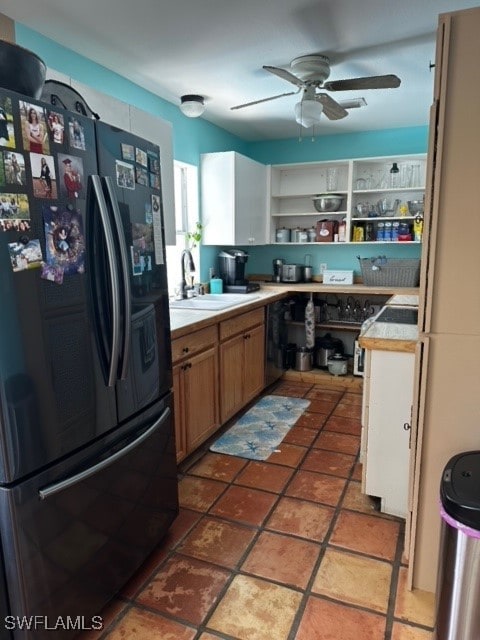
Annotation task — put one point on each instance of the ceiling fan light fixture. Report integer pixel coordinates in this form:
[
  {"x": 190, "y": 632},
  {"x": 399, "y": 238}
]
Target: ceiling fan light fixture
[
  {"x": 192, "y": 105},
  {"x": 308, "y": 112}
]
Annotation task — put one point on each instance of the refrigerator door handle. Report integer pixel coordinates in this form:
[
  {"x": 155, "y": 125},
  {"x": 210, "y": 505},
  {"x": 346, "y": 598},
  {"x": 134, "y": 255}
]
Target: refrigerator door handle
[
  {"x": 127, "y": 294},
  {"x": 87, "y": 473},
  {"x": 114, "y": 283}
]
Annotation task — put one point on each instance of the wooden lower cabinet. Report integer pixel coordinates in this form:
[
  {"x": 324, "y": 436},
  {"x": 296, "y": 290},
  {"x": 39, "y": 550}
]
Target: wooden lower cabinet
[
  {"x": 178, "y": 404},
  {"x": 210, "y": 382},
  {"x": 242, "y": 367},
  {"x": 195, "y": 389}
]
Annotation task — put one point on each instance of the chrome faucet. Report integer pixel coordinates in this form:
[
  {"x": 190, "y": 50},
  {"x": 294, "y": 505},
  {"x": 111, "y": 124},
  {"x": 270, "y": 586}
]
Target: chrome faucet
[{"x": 190, "y": 266}]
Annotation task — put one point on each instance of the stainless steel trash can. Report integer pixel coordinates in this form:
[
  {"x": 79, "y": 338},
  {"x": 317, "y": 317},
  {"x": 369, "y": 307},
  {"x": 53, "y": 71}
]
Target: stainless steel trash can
[{"x": 458, "y": 583}]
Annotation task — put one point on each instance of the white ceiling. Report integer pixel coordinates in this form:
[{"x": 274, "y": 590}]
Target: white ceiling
[{"x": 216, "y": 48}]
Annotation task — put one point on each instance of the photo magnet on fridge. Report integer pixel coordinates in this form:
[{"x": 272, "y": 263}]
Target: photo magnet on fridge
[
  {"x": 128, "y": 152},
  {"x": 148, "y": 213},
  {"x": 34, "y": 128},
  {"x": 53, "y": 273},
  {"x": 56, "y": 126},
  {"x": 14, "y": 206},
  {"x": 141, "y": 157},
  {"x": 76, "y": 134},
  {"x": 141, "y": 176},
  {"x": 7, "y": 131},
  {"x": 64, "y": 239},
  {"x": 71, "y": 176},
  {"x": 154, "y": 180},
  {"x": 13, "y": 167},
  {"x": 44, "y": 178},
  {"x": 125, "y": 174},
  {"x": 25, "y": 255},
  {"x": 153, "y": 162}
]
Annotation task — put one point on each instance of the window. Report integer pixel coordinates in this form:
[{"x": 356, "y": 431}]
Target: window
[{"x": 186, "y": 216}]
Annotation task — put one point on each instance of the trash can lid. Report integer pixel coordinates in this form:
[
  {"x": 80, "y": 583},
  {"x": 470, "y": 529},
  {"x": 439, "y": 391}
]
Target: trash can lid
[{"x": 460, "y": 488}]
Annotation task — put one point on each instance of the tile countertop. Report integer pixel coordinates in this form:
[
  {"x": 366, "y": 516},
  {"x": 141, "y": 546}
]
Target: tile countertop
[
  {"x": 183, "y": 321},
  {"x": 403, "y": 300},
  {"x": 391, "y": 336}
]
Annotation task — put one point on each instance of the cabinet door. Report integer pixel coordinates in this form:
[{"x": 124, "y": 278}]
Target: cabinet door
[
  {"x": 250, "y": 201},
  {"x": 231, "y": 376},
  {"x": 178, "y": 405},
  {"x": 200, "y": 397},
  {"x": 390, "y": 408},
  {"x": 234, "y": 199},
  {"x": 254, "y": 363}
]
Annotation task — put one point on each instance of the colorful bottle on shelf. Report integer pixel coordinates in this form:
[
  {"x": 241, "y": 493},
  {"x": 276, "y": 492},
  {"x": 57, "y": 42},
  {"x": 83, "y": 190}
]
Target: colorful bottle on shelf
[{"x": 418, "y": 229}]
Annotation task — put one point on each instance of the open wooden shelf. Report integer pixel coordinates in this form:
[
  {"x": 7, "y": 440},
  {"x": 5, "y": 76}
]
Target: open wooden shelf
[{"x": 324, "y": 378}]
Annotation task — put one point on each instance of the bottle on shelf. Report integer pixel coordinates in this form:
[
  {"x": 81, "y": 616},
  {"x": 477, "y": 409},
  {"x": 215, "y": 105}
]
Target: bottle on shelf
[
  {"x": 394, "y": 176},
  {"x": 418, "y": 229},
  {"x": 369, "y": 232}
]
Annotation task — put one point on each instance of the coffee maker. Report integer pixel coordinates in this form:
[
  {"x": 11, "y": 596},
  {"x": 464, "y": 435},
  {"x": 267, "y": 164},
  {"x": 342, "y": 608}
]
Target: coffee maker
[
  {"x": 231, "y": 265},
  {"x": 277, "y": 270}
]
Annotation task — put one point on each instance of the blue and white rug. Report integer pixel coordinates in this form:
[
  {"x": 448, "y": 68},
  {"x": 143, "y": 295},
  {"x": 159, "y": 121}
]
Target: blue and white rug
[{"x": 260, "y": 430}]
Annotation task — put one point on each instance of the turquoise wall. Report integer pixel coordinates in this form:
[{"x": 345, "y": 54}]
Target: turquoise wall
[
  {"x": 192, "y": 137},
  {"x": 361, "y": 144}
]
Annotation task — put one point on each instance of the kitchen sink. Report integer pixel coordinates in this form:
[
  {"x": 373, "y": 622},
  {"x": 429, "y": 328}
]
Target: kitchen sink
[{"x": 212, "y": 301}]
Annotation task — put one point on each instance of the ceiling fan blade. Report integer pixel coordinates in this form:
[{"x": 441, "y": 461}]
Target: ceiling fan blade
[
  {"x": 249, "y": 104},
  {"x": 285, "y": 75},
  {"x": 331, "y": 108},
  {"x": 371, "y": 82}
]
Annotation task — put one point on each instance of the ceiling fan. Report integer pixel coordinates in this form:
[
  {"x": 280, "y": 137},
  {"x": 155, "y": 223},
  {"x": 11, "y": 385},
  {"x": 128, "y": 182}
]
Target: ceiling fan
[{"x": 309, "y": 74}]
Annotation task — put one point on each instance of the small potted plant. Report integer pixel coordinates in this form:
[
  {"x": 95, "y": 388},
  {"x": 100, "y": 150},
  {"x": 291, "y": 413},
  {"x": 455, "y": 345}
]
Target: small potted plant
[{"x": 194, "y": 237}]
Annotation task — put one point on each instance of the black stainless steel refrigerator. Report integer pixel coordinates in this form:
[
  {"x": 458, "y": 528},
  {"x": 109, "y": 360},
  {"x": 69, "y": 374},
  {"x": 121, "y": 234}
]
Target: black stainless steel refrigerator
[{"x": 88, "y": 482}]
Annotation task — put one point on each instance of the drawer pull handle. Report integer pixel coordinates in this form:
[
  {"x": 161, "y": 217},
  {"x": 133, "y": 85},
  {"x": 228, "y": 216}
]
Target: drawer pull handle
[{"x": 186, "y": 349}]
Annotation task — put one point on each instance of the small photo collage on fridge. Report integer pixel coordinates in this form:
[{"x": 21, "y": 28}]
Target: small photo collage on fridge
[
  {"x": 142, "y": 167},
  {"x": 42, "y": 175}
]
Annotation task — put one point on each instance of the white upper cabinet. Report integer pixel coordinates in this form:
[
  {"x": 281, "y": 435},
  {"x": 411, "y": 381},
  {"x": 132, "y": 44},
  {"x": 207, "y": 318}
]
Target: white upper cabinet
[{"x": 234, "y": 199}]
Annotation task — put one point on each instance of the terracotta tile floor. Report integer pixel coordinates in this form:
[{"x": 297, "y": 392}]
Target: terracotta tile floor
[{"x": 286, "y": 549}]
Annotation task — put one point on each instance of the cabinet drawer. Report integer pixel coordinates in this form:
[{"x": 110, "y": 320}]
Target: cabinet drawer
[
  {"x": 198, "y": 341},
  {"x": 241, "y": 323}
]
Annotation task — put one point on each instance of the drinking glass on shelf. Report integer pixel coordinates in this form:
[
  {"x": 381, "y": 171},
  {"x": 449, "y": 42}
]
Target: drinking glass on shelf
[
  {"x": 332, "y": 178},
  {"x": 415, "y": 177}
]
